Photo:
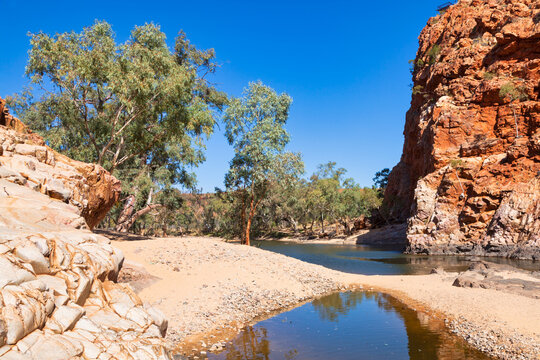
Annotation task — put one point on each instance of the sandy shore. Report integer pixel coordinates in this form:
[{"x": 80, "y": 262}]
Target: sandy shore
[{"x": 209, "y": 289}]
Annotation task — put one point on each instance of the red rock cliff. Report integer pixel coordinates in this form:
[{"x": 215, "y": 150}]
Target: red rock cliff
[{"x": 469, "y": 177}]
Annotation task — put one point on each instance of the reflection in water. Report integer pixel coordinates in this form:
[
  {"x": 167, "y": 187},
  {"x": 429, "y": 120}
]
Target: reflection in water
[
  {"x": 352, "y": 325},
  {"x": 253, "y": 344},
  {"x": 330, "y": 307},
  {"x": 361, "y": 259}
]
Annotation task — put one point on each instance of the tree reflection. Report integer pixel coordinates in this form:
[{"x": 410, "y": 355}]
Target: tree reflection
[
  {"x": 330, "y": 307},
  {"x": 253, "y": 344},
  {"x": 427, "y": 338}
]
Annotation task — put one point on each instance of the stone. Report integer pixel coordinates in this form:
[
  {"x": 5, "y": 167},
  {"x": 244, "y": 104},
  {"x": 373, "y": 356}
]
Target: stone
[
  {"x": 56, "y": 190},
  {"x": 57, "y": 347},
  {"x": 66, "y": 316},
  {"x": 468, "y": 179},
  {"x": 33, "y": 255},
  {"x": 58, "y": 293},
  {"x": 12, "y": 176},
  {"x": 11, "y": 272}
]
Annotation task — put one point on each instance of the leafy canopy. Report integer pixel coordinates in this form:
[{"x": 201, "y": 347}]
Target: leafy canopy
[
  {"x": 118, "y": 104},
  {"x": 137, "y": 108},
  {"x": 254, "y": 126}
]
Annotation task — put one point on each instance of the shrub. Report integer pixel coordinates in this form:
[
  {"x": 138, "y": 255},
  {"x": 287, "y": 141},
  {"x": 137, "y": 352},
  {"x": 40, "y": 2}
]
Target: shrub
[
  {"x": 488, "y": 75},
  {"x": 433, "y": 53},
  {"x": 514, "y": 93},
  {"x": 416, "y": 65},
  {"x": 418, "y": 89},
  {"x": 456, "y": 163}
]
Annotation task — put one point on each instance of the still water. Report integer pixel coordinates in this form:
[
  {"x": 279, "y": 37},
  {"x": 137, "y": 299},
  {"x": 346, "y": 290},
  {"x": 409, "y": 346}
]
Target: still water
[
  {"x": 357, "y": 325},
  {"x": 368, "y": 260},
  {"x": 350, "y": 325}
]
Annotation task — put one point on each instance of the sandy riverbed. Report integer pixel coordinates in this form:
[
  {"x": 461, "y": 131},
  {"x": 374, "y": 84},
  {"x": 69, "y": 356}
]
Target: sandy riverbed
[{"x": 209, "y": 289}]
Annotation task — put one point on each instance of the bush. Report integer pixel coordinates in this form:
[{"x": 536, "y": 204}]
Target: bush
[
  {"x": 433, "y": 53},
  {"x": 488, "y": 75},
  {"x": 514, "y": 93},
  {"x": 456, "y": 163},
  {"x": 418, "y": 89}
]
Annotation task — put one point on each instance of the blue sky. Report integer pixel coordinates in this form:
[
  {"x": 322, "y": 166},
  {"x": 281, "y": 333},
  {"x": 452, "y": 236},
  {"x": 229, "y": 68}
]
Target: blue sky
[{"x": 343, "y": 62}]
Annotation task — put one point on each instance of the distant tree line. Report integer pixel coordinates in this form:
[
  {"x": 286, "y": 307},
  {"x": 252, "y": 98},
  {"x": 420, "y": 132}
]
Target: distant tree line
[{"x": 143, "y": 112}]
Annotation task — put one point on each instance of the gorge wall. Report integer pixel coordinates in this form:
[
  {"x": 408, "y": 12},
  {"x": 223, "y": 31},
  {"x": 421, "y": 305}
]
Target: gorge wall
[
  {"x": 58, "y": 295},
  {"x": 469, "y": 177}
]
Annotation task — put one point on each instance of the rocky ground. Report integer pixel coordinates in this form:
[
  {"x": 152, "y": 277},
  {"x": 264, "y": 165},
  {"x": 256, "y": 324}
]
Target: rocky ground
[{"x": 209, "y": 289}]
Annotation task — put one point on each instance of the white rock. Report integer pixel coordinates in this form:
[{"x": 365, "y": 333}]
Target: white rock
[
  {"x": 12, "y": 274},
  {"x": 16, "y": 355},
  {"x": 67, "y": 315},
  {"x": 56, "y": 190},
  {"x": 56, "y": 347},
  {"x": 88, "y": 325},
  {"x": 29, "y": 340},
  {"x": 34, "y": 256},
  {"x": 14, "y": 325},
  {"x": 159, "y": 319}
]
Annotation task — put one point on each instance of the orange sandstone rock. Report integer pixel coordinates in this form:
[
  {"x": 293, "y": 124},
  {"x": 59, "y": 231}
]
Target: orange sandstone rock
[
  {"x": 88, "y": 186},
  {"x": 469, "y": 177}
]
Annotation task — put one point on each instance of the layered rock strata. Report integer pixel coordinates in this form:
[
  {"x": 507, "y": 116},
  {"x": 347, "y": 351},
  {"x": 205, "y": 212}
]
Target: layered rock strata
[
  {"x": 469, "y": 177},
  {"x": 58, "y": 295}
]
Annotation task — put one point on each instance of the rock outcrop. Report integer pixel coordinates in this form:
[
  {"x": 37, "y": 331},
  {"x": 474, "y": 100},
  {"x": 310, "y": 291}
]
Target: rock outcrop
[
  {"x": 58, "y": 295},
  {"x": 469, "y": 177},
  {"x": 487, "y": 275}
]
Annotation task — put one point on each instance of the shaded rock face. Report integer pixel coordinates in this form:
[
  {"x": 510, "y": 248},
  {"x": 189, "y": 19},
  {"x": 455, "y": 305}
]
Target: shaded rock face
[
  {"x": 58, "y": 296},
  {"x": 469, "y": 177}
]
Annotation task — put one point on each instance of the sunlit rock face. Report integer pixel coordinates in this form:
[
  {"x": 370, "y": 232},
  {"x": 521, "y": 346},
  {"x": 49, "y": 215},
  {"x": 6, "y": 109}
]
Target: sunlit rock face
[
  {"x": 58, "y": 298},
  {"x": 469, "y": 177}
]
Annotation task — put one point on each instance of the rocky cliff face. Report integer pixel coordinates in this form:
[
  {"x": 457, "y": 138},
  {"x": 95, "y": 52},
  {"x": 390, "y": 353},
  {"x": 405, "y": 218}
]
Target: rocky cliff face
[
  {"x": 58, "y": 298},
  {"x": 469, "y": 177}
]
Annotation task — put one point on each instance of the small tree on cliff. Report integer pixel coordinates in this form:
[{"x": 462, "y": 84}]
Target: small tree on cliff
[
  {"x": 255, "y": 128},
  {"x": 138, "y": 109},
  {"x": 515, "y": 94}
]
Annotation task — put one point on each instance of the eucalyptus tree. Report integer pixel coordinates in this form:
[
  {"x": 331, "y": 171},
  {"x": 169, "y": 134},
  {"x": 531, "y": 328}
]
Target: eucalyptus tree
[
  {"x": 326, "y": 184},
  {"x": 255, "y": 127},
  {"x": 137, "y": 108}
]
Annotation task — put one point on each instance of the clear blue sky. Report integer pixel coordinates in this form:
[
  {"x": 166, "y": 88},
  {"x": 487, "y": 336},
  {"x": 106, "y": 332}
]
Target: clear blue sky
[{"x": 343, "y": 62}]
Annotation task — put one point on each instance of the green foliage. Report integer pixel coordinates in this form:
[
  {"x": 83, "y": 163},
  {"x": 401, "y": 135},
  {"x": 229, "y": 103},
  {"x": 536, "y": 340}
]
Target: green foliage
[
  {"x": 513, "y": 92},
  {"x": 456, "y": 163},
  {"x": 255, "y": 127},
  {"x": 433, "y": 53},
  {"x": 381, "y": 178},
  {"x": 332, "y": 198},
  {"x": 136, "y": 108},
  {"x": 292, "y": 205},
  {"x": 418, "y": 89},
  {"x": 416, "y": 65},
  {"x": 489, "y": 75}
]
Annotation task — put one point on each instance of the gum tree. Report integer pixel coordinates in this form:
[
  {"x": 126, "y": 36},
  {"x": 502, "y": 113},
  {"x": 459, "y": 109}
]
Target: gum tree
[
  {"x": 255, "y": 127},
  {"x": 138, "y": 109}
]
